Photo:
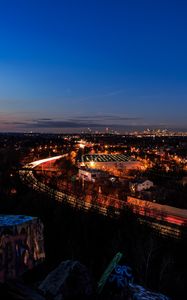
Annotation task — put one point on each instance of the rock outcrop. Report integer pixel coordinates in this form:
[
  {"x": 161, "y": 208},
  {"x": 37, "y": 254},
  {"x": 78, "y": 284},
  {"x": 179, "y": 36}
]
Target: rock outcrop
[
  {"x": 21, "y": 245},
  {"x": 70, "y": 280}
]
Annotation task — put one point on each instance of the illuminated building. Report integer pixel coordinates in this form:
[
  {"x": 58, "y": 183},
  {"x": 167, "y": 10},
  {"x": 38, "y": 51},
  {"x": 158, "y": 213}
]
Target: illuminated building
[
  {"x": 140, "y": 185},
  {"x": 109, "y": 162},
  {"x": 89, "y": 174}
]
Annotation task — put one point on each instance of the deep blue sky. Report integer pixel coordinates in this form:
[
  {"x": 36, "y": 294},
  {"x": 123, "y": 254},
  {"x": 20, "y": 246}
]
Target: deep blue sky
[{"x": 64, "y": 63}]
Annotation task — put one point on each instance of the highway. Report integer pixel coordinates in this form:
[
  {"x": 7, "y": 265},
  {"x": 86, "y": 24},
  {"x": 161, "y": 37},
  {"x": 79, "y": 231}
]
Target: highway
[
  {"x": 28, "y": 178},
  {"x": 167, "y": 224}
]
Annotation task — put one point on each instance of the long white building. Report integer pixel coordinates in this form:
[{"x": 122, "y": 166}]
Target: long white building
[{"x": 109, "y": 162}]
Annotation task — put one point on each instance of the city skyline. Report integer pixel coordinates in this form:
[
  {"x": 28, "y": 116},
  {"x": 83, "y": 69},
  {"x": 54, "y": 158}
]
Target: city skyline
[{"x": 70, "y": 65}]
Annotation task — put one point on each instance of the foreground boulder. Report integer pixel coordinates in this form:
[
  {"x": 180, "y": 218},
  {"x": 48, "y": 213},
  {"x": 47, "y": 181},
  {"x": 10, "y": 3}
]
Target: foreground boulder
[
  {"x": 138, "y": 292},
  {"x": 21, "y": 245},
  {"x": 70, "y": 280}
]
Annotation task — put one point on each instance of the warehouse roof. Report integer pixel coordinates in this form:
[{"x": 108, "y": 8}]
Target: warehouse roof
[{"x": 106, "y": 158}]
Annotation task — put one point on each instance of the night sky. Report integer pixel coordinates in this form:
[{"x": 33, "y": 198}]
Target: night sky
[{"x": 71, "y": 64}]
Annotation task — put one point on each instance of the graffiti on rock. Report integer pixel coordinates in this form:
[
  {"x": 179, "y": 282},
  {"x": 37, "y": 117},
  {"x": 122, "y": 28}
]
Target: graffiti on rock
[
  {"x": 21, "y": 245},
  {"x": 140, "y": 293},
  {"x": 122, "y": 276}
]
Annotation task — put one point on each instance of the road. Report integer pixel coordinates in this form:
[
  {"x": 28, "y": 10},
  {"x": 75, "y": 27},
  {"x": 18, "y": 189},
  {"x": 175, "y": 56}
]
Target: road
[
  {"x": 28, "y": 178},
  {"x": 166, "y": 227}
]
